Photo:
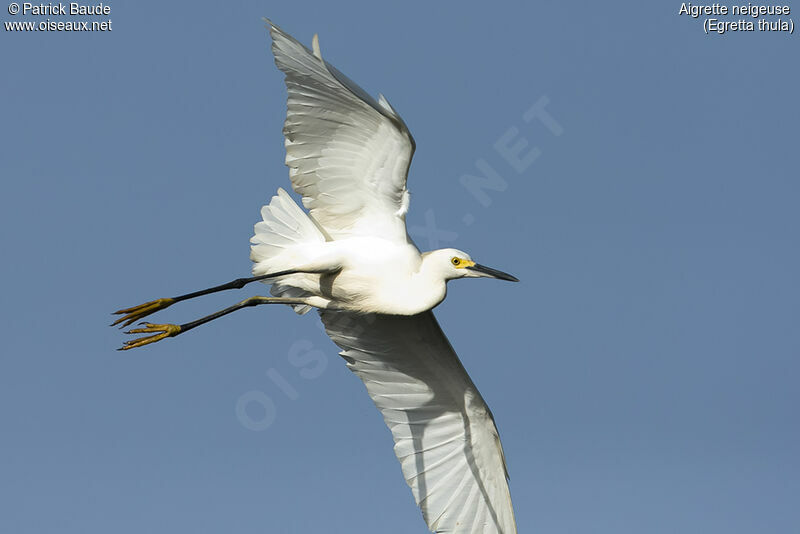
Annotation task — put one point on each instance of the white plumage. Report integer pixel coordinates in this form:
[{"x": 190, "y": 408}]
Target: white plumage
[
  {"x": 351, "y": 257},
  {"x": 444, "y": 434},
  {"x": 349, "y": 157}
]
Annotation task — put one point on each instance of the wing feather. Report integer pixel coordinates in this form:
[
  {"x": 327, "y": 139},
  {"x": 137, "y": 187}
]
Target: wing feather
[
  {"x": 445, "y": 436},
  {"x": 348, "y": 154}
]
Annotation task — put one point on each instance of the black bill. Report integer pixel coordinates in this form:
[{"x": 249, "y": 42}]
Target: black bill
[{"x": 494, "y": 273}]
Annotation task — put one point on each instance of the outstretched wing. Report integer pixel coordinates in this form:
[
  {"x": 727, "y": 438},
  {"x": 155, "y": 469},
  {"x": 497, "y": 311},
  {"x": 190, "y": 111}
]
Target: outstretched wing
[
  {"x": 348, "y": 155},
  {"x": 444, "y": 434}
]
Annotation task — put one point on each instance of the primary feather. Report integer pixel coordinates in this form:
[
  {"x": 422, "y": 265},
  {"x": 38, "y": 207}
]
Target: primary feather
[
  {"x": 445, "y": 436},
  {"x": 348, "y": 155}
]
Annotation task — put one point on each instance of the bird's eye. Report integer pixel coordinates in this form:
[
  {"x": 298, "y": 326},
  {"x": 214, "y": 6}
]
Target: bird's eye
[{"x": 455, "y": 261}]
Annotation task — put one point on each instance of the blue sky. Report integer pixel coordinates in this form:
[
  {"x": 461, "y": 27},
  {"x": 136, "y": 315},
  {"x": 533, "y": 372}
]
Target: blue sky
[{"x": 643, "y": 374}]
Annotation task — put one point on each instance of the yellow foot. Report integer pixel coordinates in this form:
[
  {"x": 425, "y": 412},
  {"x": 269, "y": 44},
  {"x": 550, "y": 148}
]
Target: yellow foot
[
  {"x": 159, "y": 331},
  {"x": 131, "y": 315}
]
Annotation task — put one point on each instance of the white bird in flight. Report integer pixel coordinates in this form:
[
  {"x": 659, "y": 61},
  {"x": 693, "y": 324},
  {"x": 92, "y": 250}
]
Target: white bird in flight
[{"x": 351, "y": 258}]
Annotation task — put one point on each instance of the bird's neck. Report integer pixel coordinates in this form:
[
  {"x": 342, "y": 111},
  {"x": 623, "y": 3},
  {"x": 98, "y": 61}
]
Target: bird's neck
[{"x": 428, "y": 285}]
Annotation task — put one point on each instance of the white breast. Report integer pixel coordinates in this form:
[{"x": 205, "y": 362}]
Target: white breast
[{"x": 380, "y": 276}]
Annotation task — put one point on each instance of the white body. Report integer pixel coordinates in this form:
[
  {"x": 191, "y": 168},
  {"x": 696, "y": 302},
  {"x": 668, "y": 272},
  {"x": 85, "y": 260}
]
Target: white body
[
  {"x": 361, "y": 274},
  {"x": 348, "y": 157},
  {"x": 379, "y": 276}
]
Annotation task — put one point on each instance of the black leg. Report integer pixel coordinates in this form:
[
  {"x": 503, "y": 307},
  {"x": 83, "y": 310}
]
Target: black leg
[
  {"x": 133, "y": 314},
  {"x": 161, "y": 331},
  {"x": 239, "y": 283}
]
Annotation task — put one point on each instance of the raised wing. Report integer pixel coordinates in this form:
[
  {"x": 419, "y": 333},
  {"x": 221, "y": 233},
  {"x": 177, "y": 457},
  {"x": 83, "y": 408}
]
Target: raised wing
[
  {"x": 348, "y": 155},
  {"x": 444, "y": 434}
]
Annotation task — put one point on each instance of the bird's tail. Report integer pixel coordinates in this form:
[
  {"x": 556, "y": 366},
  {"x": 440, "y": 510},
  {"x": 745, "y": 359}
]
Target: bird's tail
[{"x": 279, "y": 238}]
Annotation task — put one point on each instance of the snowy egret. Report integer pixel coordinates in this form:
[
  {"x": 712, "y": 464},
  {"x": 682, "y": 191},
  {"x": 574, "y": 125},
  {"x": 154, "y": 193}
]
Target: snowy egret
[{"x": 351, "y": 257}]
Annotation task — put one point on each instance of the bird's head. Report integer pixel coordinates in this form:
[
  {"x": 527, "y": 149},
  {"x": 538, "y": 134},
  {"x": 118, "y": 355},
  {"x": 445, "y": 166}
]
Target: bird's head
[{"x": 453, "y": 263}]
